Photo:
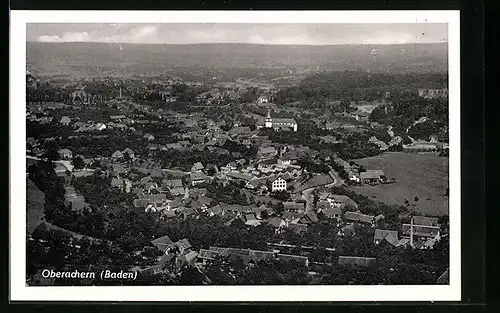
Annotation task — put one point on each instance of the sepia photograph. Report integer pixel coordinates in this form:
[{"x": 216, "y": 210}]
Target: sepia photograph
[{"x": 235, "y": 154}]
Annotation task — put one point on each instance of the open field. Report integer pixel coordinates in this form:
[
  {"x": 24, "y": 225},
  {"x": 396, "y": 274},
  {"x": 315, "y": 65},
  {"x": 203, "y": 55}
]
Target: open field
[
  {"x": 34, "y": 206},
  {"x": 423, "y": 176},
  {"x": 315, "y": 181}
]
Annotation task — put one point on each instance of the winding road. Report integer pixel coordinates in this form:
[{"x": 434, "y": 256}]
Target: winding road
[{"x": 307, "y": 194}]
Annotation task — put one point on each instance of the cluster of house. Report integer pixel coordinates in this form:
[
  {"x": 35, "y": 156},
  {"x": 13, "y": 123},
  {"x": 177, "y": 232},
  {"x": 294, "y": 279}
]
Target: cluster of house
[
  {"x": 421, "y": 233},
  {"x": 433, "y": 93},
  {"x": 334, "y": 124},
  {"x": 175, "y": 255},
  {"x": 265, "y": 176},
  {"x": 116, "y": 122},
  {"x": 40, "y": 118},
  {"x": 369, "y": 177},
  {"x": 199, "y": 134},
  {"x": 152, "y": 196},
  {"x": 432, "y": 145},
  {"x": 248, "y": 256}
]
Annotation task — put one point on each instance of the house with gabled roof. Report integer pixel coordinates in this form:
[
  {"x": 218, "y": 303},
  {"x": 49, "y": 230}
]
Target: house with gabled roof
[
  {"x": 426, "y": 221},
  {"x": 267, "y": 152},
  {"x": 197, "y": 167},
  {"x": 424, "y": 235},
  {"x": 391, "y": 236},
  {"x": 65, "y": 154},
  {"x": 174, "y": 186},
  {"x": 248, "y": 255},
  {"x": 129, "y": 152},
  {"x": 121, "y": 183},
  {"x": 358, "y": 217},
  {"x": 291, "y": 216},
  {"x": 237, "y": 209},
  {"x": 65, "y": 120},
  {"x": 215, "y": 210},
  {"x": 162, "y": 243},
  {"x": 117, "y": 118},
  {"x": 149, "y": 137},
  {"x": 339, "y": 201},
  {"x": 297, "y": 227},
  {"x": 259, "y": 210},
  {"x": 207, "y": 255},
  {"x": 251, "y": 220},
  {"x": 117, "y": 170},
  {"x": 421, "y": 231},
  {"x": 145, "y": 180},
  {"x": 309, "y": 218},
  {"x": 188, "y": 258},
  {"x": 177, "y": 191},
  {"x": 198, "y": 178},
  {"x": 278, "y": 184},
  {"x": 297, "y": 207},
  {"x": 276, "y": 222},
  {"x": 372, "y": 176},
  {"x": 117, "y": 155}
]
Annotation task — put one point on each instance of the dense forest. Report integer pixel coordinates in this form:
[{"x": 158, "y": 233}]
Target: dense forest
[
  {"x": 317, "y": 89},
  {"x": 405, "y": 111}
]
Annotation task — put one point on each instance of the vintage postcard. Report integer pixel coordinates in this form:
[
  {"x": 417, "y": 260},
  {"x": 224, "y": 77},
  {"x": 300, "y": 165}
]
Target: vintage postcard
[{"x": 235, "y": 156}]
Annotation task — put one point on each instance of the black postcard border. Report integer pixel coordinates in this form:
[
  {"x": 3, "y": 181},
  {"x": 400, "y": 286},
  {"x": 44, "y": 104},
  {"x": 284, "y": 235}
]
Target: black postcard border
[{"x": 472, "y": 141}]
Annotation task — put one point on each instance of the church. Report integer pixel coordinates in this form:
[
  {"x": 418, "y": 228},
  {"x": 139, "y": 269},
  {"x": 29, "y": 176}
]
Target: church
[{"x": 279, "y": 123}]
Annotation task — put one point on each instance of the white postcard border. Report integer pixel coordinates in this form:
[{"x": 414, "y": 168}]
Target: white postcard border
[{"x": 19, "y": 291}]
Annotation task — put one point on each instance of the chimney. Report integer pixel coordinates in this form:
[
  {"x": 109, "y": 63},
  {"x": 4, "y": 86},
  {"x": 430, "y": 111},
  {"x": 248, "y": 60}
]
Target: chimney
[{"x": 411, "y": 232}]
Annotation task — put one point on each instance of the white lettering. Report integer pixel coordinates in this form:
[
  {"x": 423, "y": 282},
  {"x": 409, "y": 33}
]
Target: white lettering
[
  {"x": 107, "y": 274},
  {"x": 118, "y": 275},
  {"x": 45, "y": 273}
]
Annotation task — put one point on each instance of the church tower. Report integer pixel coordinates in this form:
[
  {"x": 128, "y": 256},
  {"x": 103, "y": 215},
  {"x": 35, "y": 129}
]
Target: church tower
[{"x": 269, "y": 120}]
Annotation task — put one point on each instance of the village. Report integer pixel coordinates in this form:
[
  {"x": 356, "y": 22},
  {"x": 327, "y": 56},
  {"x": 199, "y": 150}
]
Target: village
[{"x": 186, "y": 165}]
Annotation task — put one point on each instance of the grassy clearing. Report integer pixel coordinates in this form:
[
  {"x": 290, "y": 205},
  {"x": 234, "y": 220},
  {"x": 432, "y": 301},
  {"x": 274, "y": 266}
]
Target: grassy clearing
[
  {"x": 422, "y": 176},
  {"x": 35, "y": 200},
  {"x": 315, "y": 181}
]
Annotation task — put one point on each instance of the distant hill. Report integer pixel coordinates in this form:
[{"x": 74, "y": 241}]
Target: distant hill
[{"x": 100, "y": 58}]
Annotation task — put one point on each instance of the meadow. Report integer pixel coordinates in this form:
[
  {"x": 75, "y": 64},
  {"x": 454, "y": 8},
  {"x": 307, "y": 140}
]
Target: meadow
[
  {"x": 417, "y": 175},
  {"x": 35, "y": 201}
]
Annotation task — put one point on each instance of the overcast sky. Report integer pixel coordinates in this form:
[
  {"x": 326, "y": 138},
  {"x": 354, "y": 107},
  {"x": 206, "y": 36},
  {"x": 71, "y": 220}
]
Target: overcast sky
[{"x": 293, "y": 34}]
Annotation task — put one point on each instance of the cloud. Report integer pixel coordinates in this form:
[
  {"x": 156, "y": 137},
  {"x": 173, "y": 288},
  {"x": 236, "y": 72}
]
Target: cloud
[
  {"x": 146, "y": 31},
  {"x": 300, "y": 34},
  {"x": 66, "y": 37},
  {"x": 47, "y": 38}
]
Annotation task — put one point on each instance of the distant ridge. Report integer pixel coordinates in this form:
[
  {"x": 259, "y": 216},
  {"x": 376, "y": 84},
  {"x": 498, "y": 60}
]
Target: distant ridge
[{"x": 77, "y": 57}]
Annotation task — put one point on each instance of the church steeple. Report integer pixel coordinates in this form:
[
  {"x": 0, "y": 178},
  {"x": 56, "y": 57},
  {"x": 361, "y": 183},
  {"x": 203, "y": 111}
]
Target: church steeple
[{"x": 269, "y": 120}]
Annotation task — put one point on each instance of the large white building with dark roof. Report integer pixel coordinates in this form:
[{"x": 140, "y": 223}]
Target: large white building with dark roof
[{"x": 280, "y": 123}]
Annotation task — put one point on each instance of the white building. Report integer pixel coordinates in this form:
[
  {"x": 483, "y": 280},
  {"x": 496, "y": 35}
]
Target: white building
[
  {"x": 100, "y": 126},
  {"x": 280, "y": 123},
  {"x": 279, "y": 184},
  {"x": 263, "y": 99}
]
